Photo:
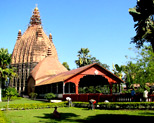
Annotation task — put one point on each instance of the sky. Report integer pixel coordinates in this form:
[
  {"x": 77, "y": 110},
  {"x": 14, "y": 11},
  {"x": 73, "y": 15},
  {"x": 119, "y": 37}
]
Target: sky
[{"x": 103, "y": 26}]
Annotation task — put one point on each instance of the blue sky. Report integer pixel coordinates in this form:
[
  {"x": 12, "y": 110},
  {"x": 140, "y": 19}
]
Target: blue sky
[{"x": 103, "y": 26}]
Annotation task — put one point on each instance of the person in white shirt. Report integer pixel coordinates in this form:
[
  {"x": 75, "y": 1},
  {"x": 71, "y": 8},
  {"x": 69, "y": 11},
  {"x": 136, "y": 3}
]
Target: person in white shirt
[
  {"x": 145, "y": 95},
  {"x": 69, "y": 101}
]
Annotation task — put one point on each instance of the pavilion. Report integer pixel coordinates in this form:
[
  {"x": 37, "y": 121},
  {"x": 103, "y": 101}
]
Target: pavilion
[{"x": 68, "y": 82}]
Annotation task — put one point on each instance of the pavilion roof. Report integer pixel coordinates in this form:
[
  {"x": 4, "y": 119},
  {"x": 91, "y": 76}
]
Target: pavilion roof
[
  {"x": 67, "y": 75},
  {"x": 46, "y": 68}
]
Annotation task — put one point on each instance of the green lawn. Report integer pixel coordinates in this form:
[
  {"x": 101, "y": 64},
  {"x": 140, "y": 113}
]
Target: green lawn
[
  {"x": 20, "y": 101},
  {"x": 78, "y": 115}
]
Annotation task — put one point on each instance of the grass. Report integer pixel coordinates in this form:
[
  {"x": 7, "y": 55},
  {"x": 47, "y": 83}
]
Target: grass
[
  {"x": 73, "y": 115},
  {"x": 20, "y": 101},
  {"x": 77, "y": 115}
]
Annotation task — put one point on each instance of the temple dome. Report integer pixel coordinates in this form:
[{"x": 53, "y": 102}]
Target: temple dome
[{"x": 33, "y": 45}]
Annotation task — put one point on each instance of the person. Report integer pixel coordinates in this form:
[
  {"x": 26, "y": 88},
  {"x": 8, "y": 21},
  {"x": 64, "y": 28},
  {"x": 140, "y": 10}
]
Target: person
[
  {"x": 133, "y": 95},
  {"x": 56, "y": 114},
  {"x": 92, "y": 104},
  {"x": 69, "y": 101},
  {"x": 145, "y": 95}
]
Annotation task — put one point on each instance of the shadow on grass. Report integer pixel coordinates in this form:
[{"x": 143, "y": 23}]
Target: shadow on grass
[
  {"x": 118, "y": 117},
  {"x": 63, "y": 117},
  {"x": 71, "y": 117}
]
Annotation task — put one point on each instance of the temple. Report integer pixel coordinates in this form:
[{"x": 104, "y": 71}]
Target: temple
[
  {"x": 31, "y": 47},
  {"x": 39, "y": 70}
]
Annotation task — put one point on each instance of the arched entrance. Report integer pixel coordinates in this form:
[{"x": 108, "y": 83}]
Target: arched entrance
[
  {"x": 69, "y": 87},
  {"x": 94, "y": 84}
]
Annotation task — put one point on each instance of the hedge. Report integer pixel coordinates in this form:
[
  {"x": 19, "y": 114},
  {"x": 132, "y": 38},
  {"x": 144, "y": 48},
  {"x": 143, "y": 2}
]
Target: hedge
[
  {"x": 117, "y": 105},
  {"x": 35, "y": 106},
  {"x": 99, "y": 105},
  {"x": 2, "y": 119}
]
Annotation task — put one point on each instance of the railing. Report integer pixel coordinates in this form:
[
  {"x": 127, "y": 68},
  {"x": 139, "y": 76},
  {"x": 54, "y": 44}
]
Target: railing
[{"x": 109, "y": 97}]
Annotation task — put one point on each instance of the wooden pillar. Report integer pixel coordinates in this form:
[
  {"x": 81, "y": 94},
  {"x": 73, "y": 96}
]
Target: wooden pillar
[
  {"x": 76, "y": 89},
  {"x": 63, "y": 88},
  {"x": 69, "y": 88},
  {"x": 110, "y": 88},
  {"x": 56, "y": 88}
]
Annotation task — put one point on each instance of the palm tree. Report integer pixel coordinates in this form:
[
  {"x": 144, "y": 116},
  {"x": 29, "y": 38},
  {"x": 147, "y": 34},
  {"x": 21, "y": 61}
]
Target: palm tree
[
  {"x": 6, "y": 72},
  {"x": 83, "y": 57},
  {"x": 142, "y": 14}
]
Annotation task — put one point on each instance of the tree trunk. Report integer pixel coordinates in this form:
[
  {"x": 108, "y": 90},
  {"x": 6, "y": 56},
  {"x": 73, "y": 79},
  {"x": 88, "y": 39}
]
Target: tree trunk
[{"x": 0, "y": 92}]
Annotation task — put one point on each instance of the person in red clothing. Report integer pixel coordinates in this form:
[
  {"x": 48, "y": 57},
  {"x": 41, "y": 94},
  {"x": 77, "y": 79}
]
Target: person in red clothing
[{"x": 92, "y": 103}]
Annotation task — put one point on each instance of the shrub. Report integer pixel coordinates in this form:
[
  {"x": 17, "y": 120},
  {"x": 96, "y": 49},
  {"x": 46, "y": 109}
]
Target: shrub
[
  {"x": 33, "y": 95},
  {"x": 10, "y": 92},
  {"x": 12, "y": 98},
  {"x": 117, "y": 105},
  {"x": 49, "y": 96},
  {"x": 35, "y": 106}
]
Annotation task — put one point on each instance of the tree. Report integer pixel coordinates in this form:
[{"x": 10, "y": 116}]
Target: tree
[
  {"x": 142, "y": 14},
  {"x": 117, "y": 70},
  {"x": 6, "y": 72},
  {"x": 83, "y": 57},
  {"x": 66, "y": 65},
  {"x": 142, "y": 70},
  {"x": 94, "y": 60}
]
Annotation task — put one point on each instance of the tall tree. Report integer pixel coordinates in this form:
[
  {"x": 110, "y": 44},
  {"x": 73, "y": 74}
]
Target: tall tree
[
  {"x": 83, "y": 57},
  {"x": 142, "y": 14},
  {"x": 6, "y": 72}
]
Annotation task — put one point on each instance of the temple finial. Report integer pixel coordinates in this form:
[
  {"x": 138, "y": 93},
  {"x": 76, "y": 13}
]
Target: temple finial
[
  {"x": 35, "y": 19},
  {"x": 50, "y": 37},
  {"x": 19, "y": 35}
]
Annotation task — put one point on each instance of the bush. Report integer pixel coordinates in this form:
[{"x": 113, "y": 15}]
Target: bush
[
  {"x": 81, "y": 104},
  {"x": 33, "y": 95},
  {"x": 35, "y": 106},
  {"x": 49, "y": 96},
  {"x": 10, "y": 92},
  {"x": 12, "y": 98},
  {"x": 117, "y": 105}
]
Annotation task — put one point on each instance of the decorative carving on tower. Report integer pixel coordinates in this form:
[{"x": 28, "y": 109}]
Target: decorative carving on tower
[
  {"x": 49, "y": 53},
  {"x": 39, "y": 31},
  {"x": 31, "y": 47}
]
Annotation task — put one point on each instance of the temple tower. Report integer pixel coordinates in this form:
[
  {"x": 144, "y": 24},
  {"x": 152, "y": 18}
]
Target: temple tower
[{"x": 31, "y": 47}]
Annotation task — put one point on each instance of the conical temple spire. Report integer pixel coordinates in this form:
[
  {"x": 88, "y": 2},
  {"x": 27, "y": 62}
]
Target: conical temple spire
[{"x": 35, "y": 19}]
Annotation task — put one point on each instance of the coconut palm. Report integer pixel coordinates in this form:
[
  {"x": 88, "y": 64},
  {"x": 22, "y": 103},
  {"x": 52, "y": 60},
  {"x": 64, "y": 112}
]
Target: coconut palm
[{"x": 83, "y": 57}]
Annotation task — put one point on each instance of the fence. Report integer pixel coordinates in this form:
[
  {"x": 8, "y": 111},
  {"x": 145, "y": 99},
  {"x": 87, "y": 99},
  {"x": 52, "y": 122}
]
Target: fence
[{"x": 109, "y": 97}]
